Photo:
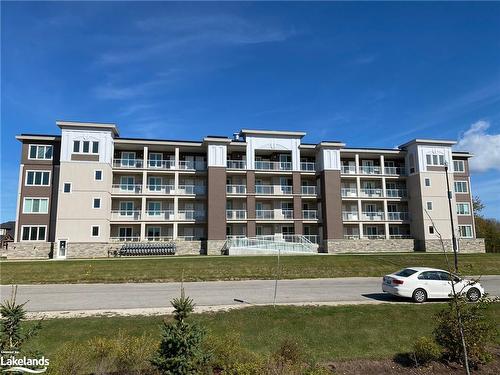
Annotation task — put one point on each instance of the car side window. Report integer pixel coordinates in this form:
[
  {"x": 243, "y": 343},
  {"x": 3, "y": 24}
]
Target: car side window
[
  {"x": 430, "y": 275},
  {"x": 445, "y": 276},
  {"x": 424, "y": 276}
]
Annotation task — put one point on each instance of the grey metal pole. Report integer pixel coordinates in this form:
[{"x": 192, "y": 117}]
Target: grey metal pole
[{"x": 453, "y": 238}]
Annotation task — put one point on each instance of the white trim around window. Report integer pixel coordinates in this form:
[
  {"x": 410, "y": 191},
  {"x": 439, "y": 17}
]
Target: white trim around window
[
  {"x": 44, "y": 153},
  {"x": 461, "y": 210},
  {"x": 465, "y": 231},
  {"x": 428, "y": 205},
  {"x": 30, "y": 232},
  {"x": 35, "y": 171},
  {"x": 461, "y": 166},
  {"x": 463, "y": 187},
  {"x": 94, "y": 199},
  {"x": 92, "y": 231},
  {"x": 40, "y": 199},
  {"x": 82, "y": 144},
  {"x": 95, "y": 174}
]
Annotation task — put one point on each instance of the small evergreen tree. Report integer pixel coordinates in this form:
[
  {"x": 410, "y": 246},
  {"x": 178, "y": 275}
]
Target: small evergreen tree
[
  {"x": 12, "y": 335},
  {"x": 181, "y": 351}
]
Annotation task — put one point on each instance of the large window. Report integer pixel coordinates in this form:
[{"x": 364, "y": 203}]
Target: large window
[
  {"x": 86, "y": 147},
  {"x": 465, "y": 231},
  {"x": 458, "y": 166},
  {"x": 39, "y": 178},
  {"x": 433, "y": 159},
  {"x": 41, "y": 152},
  {"x": 463, "y": 209},
  {"x": 461, "y": 187},
  {"x": 36, "y": 205},
  {"x": 33, "y": 233}
]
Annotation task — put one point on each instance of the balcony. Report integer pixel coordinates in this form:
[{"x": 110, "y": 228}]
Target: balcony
[
  {"x": 308, "y": 190},
  {"x": 159, "y": 238},
  {"x": 160, "y": 215},
  {"x": 369, "y": 169},
  {"x": 126, "y": 215},
  {"x": 373, "y": 216},
  {"x": 273, "y": 189},
  {"x": 348, "y": 169},
  {"x": 161, "y": 189},
  {"x": 192, "y": 165},
  {"x": 308, "y": 166},
  {"x": 397, "y": 216},
  {"x": 125, "y": 239},
  {"x": 351, "y": 237},
  {"x": 128, "y": 163},
  {"x": 236, "y": 164},
  {"x": 374, "y": 236},
  {"x": 310, "y": 214},
  {"x": 396, "y": 193},
  {"x": 349, "y": 192},
  {"x": 236, "y": 214},
  {"x": 126, "y": 188},
  {"x": 350, "y": 215},
  {"x": 278, "y": 214},
  {"x": 236, "y": 189},
  {"x": 372, "y": 193},
  {"x": 191, "y": 190},
  {"x": 161, "y": 164},
  {"x": 273, "y": 165},
  {"x": 395, "y": 171},
  {"x": 399, "y": 236},
  {"x": 190, "y": 215}
]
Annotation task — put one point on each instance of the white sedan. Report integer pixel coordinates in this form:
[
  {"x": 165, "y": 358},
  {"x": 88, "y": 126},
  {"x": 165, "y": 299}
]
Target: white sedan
[{"x": 420, "y": 283}]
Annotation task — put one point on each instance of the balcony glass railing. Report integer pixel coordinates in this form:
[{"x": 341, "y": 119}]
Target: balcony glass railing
[
  {"x": 126, "y": 188},
  {"x": 125, "y": 239},
  {"x": 368, "y": 169},
  {"x": 351, "y": 236},
  {"x": 374, "y": 236},
  {"x": 236, "y": 189},
  {"x": 398, "y": 216},
  {"x": 310, "y": 214},
  {"x": 190, "y": 215},
  {"x": 161, "y": 189},
  {"x": 128, "y": 163},
  {"x": 396, "y": 193},
  {"x": 236, "y": 214},
  {"x": 372, "y": 193},
  {"x": 349, "y": 192},
  {"x": 273, "y": 165},
  {"x": 191, "y": 164},
  {"x": 307, "y": 166},
  {"x": 395, "y": 171},
  {"x": 236, "y": 164},
  {"x": 350, "y": 215},
  {"x": 125, "y": 214},
  {"x": 161, "y": 164},
  {"x": 264, "y": 214},
  {"x": 373, "y": 216},
  {"x": 308, "y": 190},
  {"x": 191, "y": 189},
  {"x": 160, "y": 214},
  {"x": 398, "y": 236},
  {"x": 348, "y": 169}
]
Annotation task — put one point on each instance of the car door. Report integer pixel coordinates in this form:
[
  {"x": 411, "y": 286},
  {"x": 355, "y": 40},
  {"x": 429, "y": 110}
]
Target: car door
[{"x": 433, "y": 284}]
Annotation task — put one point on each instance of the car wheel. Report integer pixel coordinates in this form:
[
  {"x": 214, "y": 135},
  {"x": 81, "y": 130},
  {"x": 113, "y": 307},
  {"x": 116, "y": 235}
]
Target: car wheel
[
  {"x": 473, "y": 294},
  {"x": 419, "y": 295}
]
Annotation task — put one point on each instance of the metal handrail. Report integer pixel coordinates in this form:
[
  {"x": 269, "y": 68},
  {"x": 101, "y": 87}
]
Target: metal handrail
[{"x": 236, "y": 189}]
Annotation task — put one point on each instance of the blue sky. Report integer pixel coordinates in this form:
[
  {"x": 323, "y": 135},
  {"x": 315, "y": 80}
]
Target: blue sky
[{"x": 369, "y": 74}]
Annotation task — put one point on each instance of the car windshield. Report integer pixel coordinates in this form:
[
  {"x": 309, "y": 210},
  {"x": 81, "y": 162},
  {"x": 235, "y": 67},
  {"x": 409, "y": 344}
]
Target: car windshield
[{"x": 405, "y": 272}]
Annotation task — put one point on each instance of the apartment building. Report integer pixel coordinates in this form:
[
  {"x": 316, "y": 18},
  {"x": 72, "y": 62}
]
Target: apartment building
[{"x": 88, "y": 190}]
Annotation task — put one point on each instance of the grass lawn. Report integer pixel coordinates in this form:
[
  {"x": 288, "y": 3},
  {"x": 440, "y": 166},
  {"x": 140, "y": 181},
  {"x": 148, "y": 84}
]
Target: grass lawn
[
  {"x": 327, "y": 333},
  {"x": 230, "y": 268}
]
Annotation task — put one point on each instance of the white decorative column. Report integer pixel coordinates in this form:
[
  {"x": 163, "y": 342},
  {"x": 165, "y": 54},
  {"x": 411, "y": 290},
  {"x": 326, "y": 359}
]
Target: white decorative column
[{"x": 356, "y": 162}]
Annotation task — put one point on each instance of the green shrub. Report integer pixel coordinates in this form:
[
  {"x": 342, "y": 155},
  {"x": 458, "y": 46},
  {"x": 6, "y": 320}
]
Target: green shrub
[
  {"x": 479, "y": 331},
  {"x": 71, "y": 359},
  {"x": 426, "y": 350}
]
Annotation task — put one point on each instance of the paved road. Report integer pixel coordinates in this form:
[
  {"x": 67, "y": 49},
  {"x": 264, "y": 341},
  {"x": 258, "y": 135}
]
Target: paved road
[{"x": 72, "y": 297}]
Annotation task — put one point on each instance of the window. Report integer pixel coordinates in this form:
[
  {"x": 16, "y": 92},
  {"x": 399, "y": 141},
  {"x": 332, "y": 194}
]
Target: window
[
  {"x": 461, "y": 187},
  {"x": 41, "y": 152},
  {"x": 465, "y": 231},
  {"x": 429, "y": 206},
  {"x": 76, "y": 146},
  {"x": 405, "y": 272},
  {"x": 427, "y": 182},
  {"x": 97, "y": 203},
  {"x": 463, "y": 209},
  {"x": 434, "y": 159},
  {"x": 458, "y": 166},
  {"x": 40, "y": 178},
  {"x": 33, "y": 233},
  {"x": 98, "y": 175},
  {"x": 86, "y": 145},
  {"x": 95, "y": 147},
  {"x": 67, "y": 187},
  {"x": 36, "y": 205},
  {"x": 95, "y": 230},
  {"x": 431, "y": 229}
]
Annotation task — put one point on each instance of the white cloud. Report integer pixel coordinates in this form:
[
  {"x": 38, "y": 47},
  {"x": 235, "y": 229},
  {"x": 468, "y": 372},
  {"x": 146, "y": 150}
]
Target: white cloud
[{"x": 484, "y": 146}]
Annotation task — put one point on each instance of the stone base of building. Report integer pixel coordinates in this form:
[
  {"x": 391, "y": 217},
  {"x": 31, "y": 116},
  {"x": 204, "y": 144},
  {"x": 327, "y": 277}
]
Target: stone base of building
[
  {"x": 335, "y": 246},
  {"x": 465, "y": 245},
  {"x": 29, "y": 250},
  {"x": 215, "y": 247}
]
